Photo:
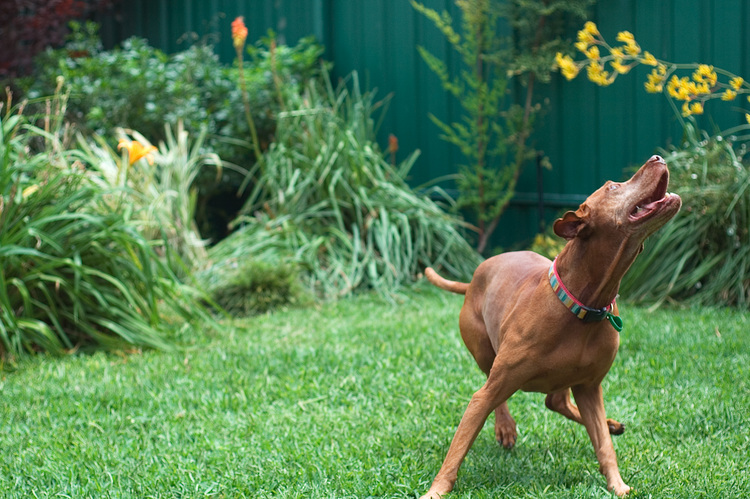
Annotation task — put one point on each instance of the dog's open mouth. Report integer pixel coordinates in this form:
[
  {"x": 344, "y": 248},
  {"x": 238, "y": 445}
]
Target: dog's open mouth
[{"x": 651, "y": 203}]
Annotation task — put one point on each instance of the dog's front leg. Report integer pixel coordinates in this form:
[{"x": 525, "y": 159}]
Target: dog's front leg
[
  {"x": 591, "y": 406},
  {"x": 481, "y": 405}
]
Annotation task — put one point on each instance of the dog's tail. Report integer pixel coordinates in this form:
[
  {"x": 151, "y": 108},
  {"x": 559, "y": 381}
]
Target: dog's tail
[{"x": 443, "y": 283}]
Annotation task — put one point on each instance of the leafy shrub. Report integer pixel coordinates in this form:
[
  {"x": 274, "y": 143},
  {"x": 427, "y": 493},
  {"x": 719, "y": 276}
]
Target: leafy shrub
[
  {"x": 547, "y": 244},
  {"x": 703, "y": 255},
  {"x": 328, "y": 198},
  {"x": 256, "y": 286},
  {"x": 75, "y": 270},
  {"x": 139, "y": 87}
]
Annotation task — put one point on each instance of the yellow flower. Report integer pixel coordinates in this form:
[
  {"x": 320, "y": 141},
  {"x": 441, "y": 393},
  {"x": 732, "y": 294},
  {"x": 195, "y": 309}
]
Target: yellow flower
[
  {"x": 596, "y": 73},
  {"x": 617, "y": 53},
  {"x": 28, "y": 191},
  {"x": 653, "y": 88},
  {"x": 705, "y": 74},
  {"x": 239, "y": 32},
  {"x": 593, "y": 53},
  {"x": 690, "y": 109},
  {"x": 581, "y": 46},
  {"x": 632, "y": 48},
  {"x": 704, "y": 69},
  {"x": 655, "y": 77},
  {"x": 567, "y": 66},
  {"x": 695, "y": 89},
  {"x": 678, "y": 88},
  {"x": 136, "y": 151},
  {"x": 586, "y": 37},
  {"x": 747, "y": 117},
  {"x": 729, "y": 94},
  {"x": 591, "y": 28},
  {"x": 618, "y": 66},
  {"x": 649, "y": 59},
  {"x": 625, "y": 37},
  {"x": 736, "y": 83}
]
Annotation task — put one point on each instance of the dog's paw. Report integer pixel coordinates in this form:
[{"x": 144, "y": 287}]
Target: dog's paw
[
  {"x": 505, "y": 433},
  {"x": 620, "y": 490},
  {"x": 438, "y": 490},
  {"x": 615, "y": 427}
]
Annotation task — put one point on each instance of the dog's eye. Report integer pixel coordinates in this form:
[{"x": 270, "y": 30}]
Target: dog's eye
[{"x": 613, "y": 186}]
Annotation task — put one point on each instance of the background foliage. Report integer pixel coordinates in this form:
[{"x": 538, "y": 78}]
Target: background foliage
[
  {"x": 139, "y": 87},
  {"x": 493, "y": 131},
  {"x": 327, "y": 198}
]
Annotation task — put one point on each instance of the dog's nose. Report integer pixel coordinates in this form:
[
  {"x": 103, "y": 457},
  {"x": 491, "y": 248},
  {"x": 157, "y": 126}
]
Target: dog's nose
[{"x": 657, "y": 159}]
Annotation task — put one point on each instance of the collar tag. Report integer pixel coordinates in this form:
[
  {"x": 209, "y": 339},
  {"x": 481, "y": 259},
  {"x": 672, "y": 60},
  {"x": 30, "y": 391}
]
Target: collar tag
[{"x": 616, "y": 321}]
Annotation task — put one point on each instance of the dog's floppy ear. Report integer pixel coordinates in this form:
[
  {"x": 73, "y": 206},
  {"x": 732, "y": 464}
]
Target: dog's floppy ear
[{"x": 569, "y": 225}]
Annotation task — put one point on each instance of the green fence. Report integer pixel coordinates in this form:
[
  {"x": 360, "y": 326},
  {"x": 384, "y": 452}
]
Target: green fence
[{"x": 590, "y": 134}]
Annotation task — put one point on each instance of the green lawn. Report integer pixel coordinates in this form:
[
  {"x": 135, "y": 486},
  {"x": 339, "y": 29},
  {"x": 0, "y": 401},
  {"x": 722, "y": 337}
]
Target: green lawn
[{"x": 360, "y": 399}]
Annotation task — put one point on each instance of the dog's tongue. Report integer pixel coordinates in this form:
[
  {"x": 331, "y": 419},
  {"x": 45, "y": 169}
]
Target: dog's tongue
[
  {"x": 642, "y": 209},
  {"x": 652, "y": 204}
]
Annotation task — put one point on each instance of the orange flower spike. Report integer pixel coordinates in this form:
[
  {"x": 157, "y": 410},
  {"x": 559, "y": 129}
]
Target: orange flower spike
[
  {"x": 136, "y": 151},
  {"x": 239, "y": 32}
]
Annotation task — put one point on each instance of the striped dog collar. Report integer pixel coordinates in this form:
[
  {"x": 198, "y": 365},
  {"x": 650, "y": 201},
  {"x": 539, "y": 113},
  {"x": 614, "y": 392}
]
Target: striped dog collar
[{"x": 586, "y": 314}]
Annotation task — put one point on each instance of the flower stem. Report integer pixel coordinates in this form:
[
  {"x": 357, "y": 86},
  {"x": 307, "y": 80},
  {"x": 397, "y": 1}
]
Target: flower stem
[{"x": 248, "y": 114}]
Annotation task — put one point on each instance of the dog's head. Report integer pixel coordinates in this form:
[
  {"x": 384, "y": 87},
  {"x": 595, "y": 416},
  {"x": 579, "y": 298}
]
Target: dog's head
[{"x": 634, "y": 209}]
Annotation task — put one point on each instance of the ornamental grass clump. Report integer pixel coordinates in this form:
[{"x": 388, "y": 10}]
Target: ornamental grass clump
[
  {"x": 329, "y": 200},
  {"x": 159, "y": 184},
  {"x": 75, "y": 270},
  {"x": 702, "y": 257}
]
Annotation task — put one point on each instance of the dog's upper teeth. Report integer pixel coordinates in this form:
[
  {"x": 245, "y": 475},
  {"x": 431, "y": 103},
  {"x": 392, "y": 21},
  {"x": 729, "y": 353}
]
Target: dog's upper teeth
[{"x": 638, "y": 209}]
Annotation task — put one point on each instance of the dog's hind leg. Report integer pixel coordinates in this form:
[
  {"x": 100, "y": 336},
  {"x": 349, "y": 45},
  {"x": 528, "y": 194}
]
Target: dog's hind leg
[
  {"x": 560, "y": 402},
  {"x": 505, "y": 426}
]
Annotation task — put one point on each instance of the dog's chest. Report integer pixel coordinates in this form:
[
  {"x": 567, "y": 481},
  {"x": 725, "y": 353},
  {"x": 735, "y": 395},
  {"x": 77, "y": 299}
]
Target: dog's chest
[{"x": 572, "y": 358}]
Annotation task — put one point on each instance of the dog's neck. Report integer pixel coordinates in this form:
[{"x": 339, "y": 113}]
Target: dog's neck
[{"x": 592, "y": 272}]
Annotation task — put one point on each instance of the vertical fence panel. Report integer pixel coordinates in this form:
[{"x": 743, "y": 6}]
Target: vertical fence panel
[{"x": 615, "y": 126}]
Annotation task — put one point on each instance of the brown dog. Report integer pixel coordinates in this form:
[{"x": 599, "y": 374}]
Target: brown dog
[{"x": 525, "y": 322}]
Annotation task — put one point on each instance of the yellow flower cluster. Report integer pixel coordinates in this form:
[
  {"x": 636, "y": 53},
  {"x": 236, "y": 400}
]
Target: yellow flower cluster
[
  {"x": 604, "y": 63},
  {"x": 630, "y": 47},
  {"x": 567, "y": 66},
  {"x": 656, "y": 77},
  {"x": 694, "y": 91},
  {"x": 598, "y": 75},
  {"x": 620, "y": 59},
  {"x": 686, "y": 89}
]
